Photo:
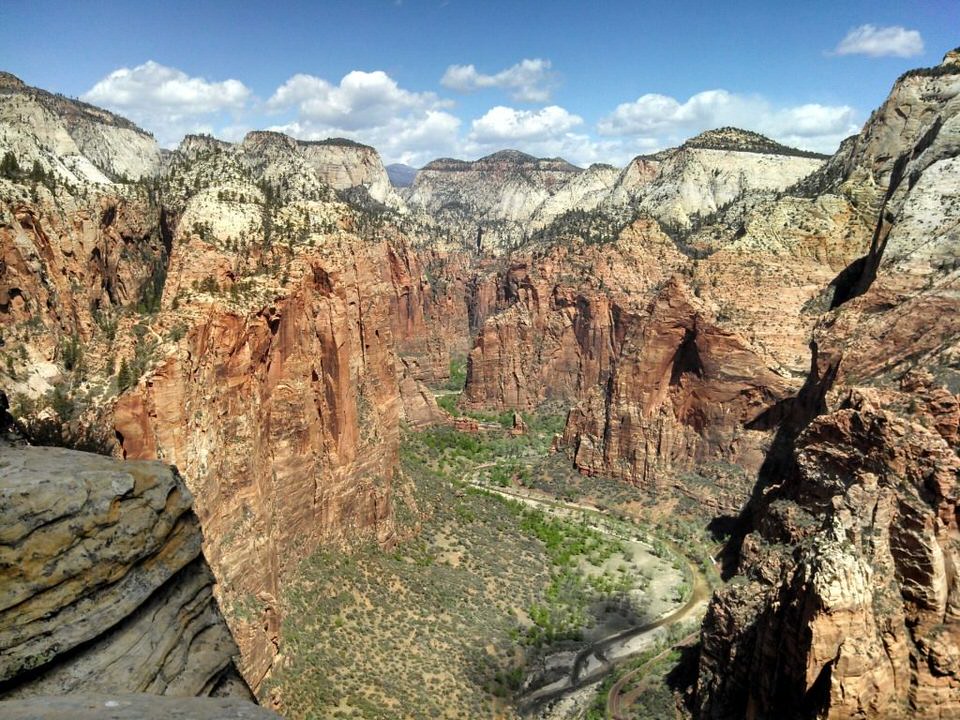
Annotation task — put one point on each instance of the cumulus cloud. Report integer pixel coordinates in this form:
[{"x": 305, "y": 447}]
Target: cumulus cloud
[
  {"x": 504, "y": 124},
  {"x": 167, "y": 100},
  {"x": 876, "y": 41},
  {"x": 549, "y": 132},
  {"x": 527, "y": 81},
  {"x": 361, "y": 100},
  {"x": 369, "y": 107},
  {"x": 662, "y": 120}
]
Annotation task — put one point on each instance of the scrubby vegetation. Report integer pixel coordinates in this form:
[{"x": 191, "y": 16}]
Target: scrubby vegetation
[{"x": 447, "y": 624}]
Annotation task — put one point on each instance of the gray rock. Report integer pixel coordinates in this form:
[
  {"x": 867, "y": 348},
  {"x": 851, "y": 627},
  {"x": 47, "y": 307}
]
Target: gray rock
[
  {"x": 102, "y": 583},
  {"x": 131, "y": 707}
]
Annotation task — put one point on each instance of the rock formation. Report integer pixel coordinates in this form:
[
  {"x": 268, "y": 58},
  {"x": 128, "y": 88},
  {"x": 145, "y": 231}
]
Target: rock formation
[
  {"x": 497, "y": 196},
  {"x": 245, "y": 327},
  {"x": 708, "y": 172},
  {"x": 282, "y": 401},
  {"x": 104, "y": 588},
  {"x": 682, "y": 391},
  {"x": 338, "y": 163},
  {"x": 562, "y": 323},
  {"x": 79, "y": 240},
  {"x": 77, "y": 142},
  {"x": 845, "y": 600}
]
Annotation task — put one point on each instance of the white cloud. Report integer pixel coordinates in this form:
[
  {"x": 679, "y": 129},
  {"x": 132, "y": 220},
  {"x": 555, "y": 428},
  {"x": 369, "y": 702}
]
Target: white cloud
[
  {"x": 361, "y": 100},
  {"x": 167, "y": 100},
  {"x": 369, "y": 107},
  {"x": 548, "y": 132},
  {"x": 527, "y": 81},
  {"x": 503, "y": 124},
  {"x": 876, "y": 41},
  {"x": 661, "y": 120}
]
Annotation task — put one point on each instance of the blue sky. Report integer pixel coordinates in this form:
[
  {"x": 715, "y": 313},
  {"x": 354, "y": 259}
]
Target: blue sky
[{"x": 419, "y": 79}]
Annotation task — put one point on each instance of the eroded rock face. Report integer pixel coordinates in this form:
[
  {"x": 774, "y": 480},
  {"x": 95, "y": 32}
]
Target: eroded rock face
[
  {"x": 708, "y": 172},
  {"x": 338, "y": 163},
  {"x": 104, "y": 588},
  {"x": 849, "y": 606},
  {"x": 76, "y": 142},
  {"x": 562, "y": 329},
  {"x": 846, "y": 604},
  {"x": 268, "y": 368},
  {"x": 63, "y": 266},
  {"x": 79, "y": 241},
  {"x": 499, "y": 195},
  {"x": 682, "y": 391},
  {"x": 285, "y": 420}
]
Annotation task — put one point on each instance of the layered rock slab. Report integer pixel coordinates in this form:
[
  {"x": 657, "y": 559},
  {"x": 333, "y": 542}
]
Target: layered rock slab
[
  {"x": 104, "y": 587},
  {"x": 88, "y": 706}
]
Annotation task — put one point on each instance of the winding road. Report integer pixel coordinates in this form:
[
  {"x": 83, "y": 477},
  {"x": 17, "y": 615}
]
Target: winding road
[{"x": 597, "y": 659}]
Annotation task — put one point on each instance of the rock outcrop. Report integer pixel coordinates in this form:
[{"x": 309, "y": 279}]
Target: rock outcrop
[
  {"x": 104, "y": 588},
  {"x": 845, "y": 601},
  {"x": 682, "y": 391},
  {"x": 707, "y": 173},
  {"x": 131, "y": 707},
  {"x": 76, "y": 142},
  {"x": 562, "y": 327},
  {"x": 491, "y": 201},
  {"x": 338, "y": 163}
]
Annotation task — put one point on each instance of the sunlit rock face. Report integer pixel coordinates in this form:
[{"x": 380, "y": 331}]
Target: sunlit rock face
[
  {"x": 104, "y": 587},
  {"x": 846, "y": 599}
]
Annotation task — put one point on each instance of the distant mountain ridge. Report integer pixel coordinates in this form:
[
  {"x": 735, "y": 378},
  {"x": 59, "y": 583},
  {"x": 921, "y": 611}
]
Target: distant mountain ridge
[
  {"x": 739, "y": 140},
  {"x": 72, "y": 111},
  {"x": 401, "y": 175}
]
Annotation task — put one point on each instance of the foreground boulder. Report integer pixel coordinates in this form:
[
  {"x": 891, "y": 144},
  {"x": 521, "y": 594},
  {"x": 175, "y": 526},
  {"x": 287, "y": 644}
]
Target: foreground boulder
[{"x": 103, "y": 587}]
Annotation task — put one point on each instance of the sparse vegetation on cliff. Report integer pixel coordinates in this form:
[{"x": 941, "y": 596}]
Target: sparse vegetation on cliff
[{"x": 448, "y": 621}]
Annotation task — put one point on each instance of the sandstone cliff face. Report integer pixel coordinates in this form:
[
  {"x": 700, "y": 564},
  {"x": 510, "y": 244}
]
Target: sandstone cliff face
[
  {"x": 682, "y": 391},
  {"x": 338, "y": 163},
  {"x": 562, "y": 326},
  {"x": 285, "y": 421},
  {"x": 65, "y": 267},
  {"x": 848, "y": 605},
  {"x": 498, "y": 194},
  {"x": 707, "y": 173},
  {"x": 78, "y": 143},
  {"x": 848, "y": 600},
  {"x": 282, "y": 398},
  {"x": 78, "y": 244},
  {"x": 104, "y": 588}
]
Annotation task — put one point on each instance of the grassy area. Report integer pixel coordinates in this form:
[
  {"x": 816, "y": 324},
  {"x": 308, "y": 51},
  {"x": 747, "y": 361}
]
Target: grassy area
[
  {"x": 445, "y": 625},
  {"x": 458, "y": 374},
  {"x": 448, "y": 402}
]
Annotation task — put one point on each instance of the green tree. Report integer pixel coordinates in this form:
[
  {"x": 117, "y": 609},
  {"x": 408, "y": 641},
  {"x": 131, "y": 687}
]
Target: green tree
[
  {"x": 37, "y": 173},
  {"x": 73, "y": 354},
  {"x": 9, "y": 167},
  {"x": 124, "y": 379}
]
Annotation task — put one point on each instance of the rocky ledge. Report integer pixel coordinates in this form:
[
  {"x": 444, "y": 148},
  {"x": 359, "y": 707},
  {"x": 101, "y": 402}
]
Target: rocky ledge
[
  {"x": 132, "y": 707},
  {"x": 103, "y": 587}
]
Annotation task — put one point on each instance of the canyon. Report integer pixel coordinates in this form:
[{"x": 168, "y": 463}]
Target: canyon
[{"x": 771, "y": 333}]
